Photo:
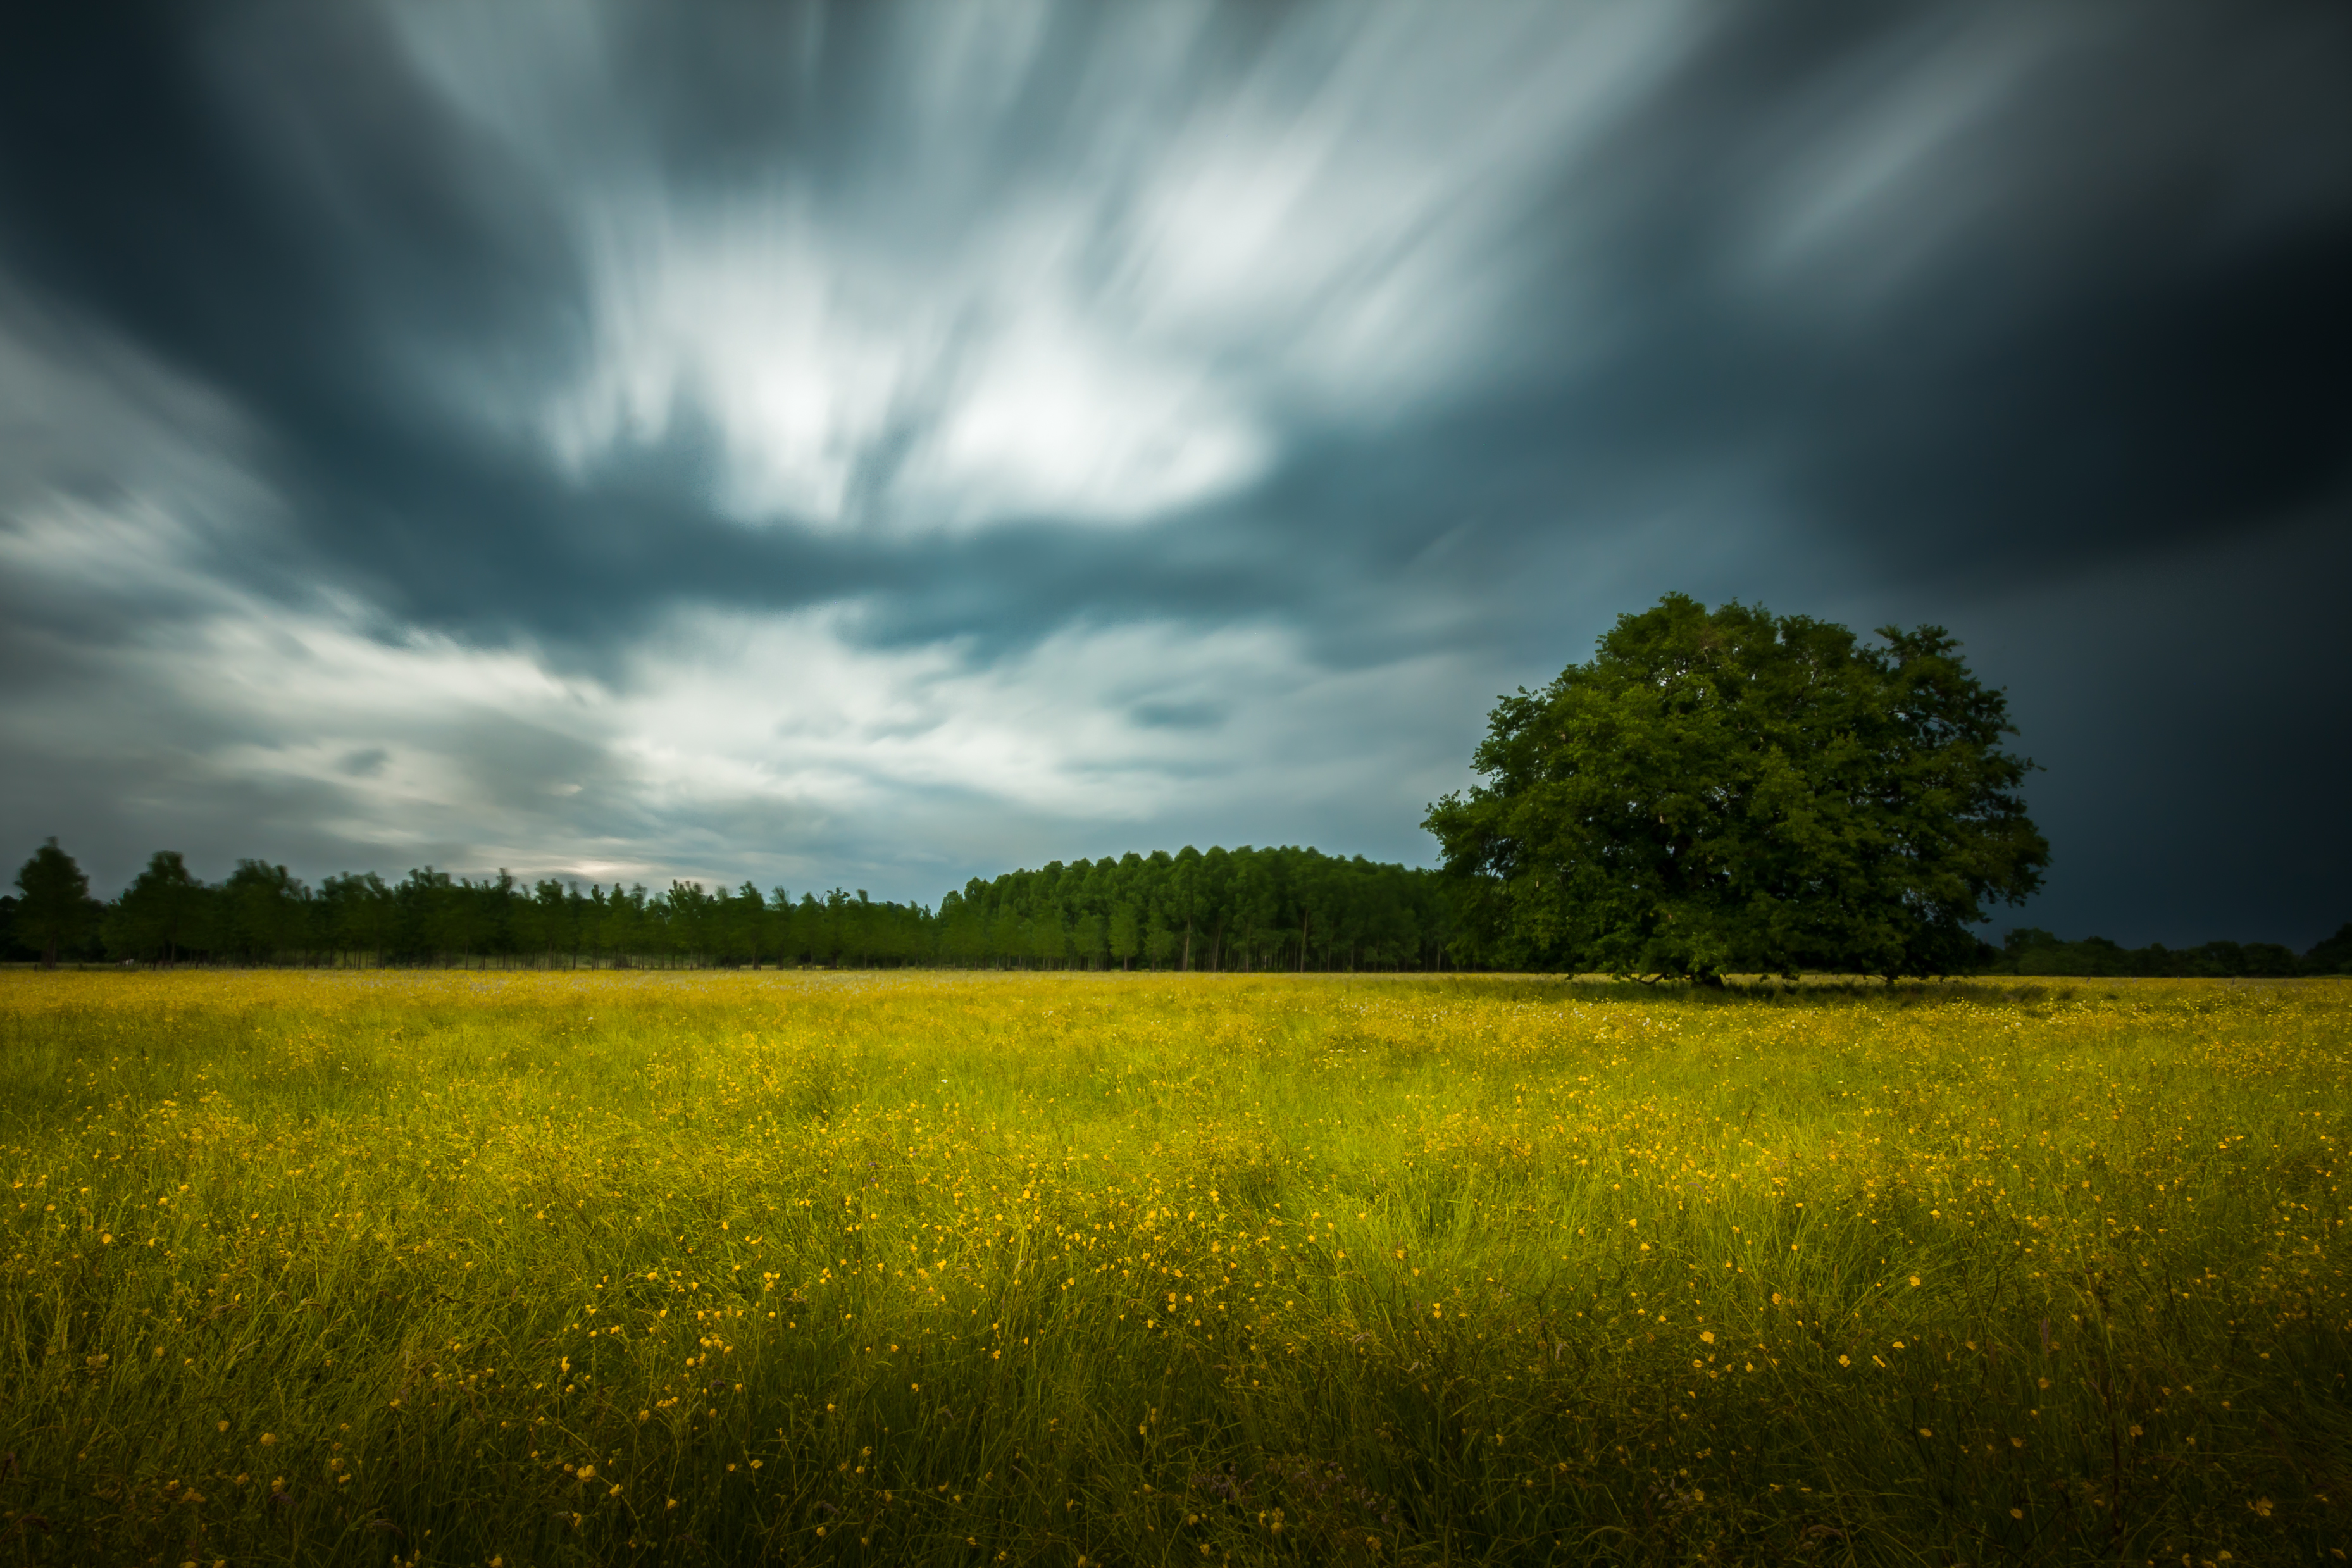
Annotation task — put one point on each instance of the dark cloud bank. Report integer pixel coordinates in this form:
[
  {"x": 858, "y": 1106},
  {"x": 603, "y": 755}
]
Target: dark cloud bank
[{"x": 881, "y": 444}]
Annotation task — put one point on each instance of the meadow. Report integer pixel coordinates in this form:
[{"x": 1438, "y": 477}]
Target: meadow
[{"x": 1088, "y": 1270}]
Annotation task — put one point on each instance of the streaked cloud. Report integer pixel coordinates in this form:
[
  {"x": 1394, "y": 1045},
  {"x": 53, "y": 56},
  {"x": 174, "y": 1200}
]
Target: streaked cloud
[{"x": 1096, "y": 289}]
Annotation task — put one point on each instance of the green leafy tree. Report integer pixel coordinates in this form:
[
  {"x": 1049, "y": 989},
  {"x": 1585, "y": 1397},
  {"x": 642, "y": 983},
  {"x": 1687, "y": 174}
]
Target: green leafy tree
[
  {"x": 56, "y": 908},
  {"x": 435, "y": 920},
  {"x": 361, "y": 914},
  {"x": 1088, "y": 943},
  {"x": 1049, "y": 938},
  {"x": 780, "y": 929},
  {"x": 263, "y": 910},
  {"x": 1733, "y": 791},
  {"x": 1182, "y": 899},
  {"x": 962, "y": 925},
  {"x": 747, "y": 925},
  {"x": 553, "y": 921},
  {"x": 691, "y": 917},
  {"x": 1006, "y": 942},
  {"x": 1126, "y": 935},
  {"x": 157, "y": 916}
]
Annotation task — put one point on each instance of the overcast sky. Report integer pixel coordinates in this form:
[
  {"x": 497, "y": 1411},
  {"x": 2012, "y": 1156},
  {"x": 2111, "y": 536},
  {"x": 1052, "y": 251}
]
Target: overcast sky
[{"x": 881, "y": 444}]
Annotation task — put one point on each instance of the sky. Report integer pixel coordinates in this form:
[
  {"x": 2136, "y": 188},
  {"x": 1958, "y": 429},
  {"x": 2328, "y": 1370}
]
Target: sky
[{"x": 877, "y": 445}]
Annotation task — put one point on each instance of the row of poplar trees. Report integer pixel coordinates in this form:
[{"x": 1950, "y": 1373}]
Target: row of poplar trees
[{"x": 1243, "y": 909}]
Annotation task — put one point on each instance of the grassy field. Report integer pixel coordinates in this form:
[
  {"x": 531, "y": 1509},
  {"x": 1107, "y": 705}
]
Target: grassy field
[{"x": 541, "y": 1269}]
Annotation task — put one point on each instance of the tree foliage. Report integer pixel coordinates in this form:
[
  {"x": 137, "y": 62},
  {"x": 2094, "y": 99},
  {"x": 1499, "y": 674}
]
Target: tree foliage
[
  {"x": 159, "y": 914},
  {"x": 1247, "y": 908},
  {"x": 1733, "y": 791},
  {"x": 55, "y": 907},
  {"x": 1219, "y": 909}
]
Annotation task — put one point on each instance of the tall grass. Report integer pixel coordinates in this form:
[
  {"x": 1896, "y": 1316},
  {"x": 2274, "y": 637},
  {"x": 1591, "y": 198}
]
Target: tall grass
[{"x": 563, "y": 1269}]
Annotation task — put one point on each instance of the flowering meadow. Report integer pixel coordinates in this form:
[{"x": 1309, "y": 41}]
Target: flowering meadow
[{"x": 1106, "y": 1270}]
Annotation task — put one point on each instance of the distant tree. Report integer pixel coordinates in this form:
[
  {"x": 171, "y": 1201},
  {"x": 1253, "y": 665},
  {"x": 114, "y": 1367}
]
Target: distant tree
[
  {"x": 1006, "y": 942},
  {"x": 690, "y": 918},
  {"x": 747, "y": 925},
  {"x": 779, "y": 928},
  {"x": 432, "y": 922},
  {"x": 2267, "y": 958},
  {"x": 55, "y": 909},
  {"x": 623, "y": 927},
  {"x": 554, "y": 925},
  {"x": 1126, "y": 936},
  {"x": 263, "y": 911},
  {"x": 826, "y": 922},
  {"x": 1180, "y": 901},
  {"x": 361, "y": 915},
  {"x": 845, "y": 920},
  {"x": 963, "y": 931},
  {"x": 1212, "y": 889},
  {"x": 1735, "y": 791},
  {"x": 2332, "y": 955},
  {"x": 1088, "y": 941},
  {"x": 157, "y": 915},
  {"x": 1256, "y": 893},
  {"x": 597, "y": 922},
  {"x": 1049, "y": 939}
]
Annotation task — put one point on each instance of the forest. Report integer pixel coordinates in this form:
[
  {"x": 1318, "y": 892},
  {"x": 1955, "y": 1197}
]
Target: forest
[{"x": 1239, "y": 910}]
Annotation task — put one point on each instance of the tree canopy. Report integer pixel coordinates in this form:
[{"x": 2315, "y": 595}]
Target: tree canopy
[
  {"x": 1730, "y": 791},
  {"x": 56, "y": 907},
  {"x": 1250, "y": 909}
]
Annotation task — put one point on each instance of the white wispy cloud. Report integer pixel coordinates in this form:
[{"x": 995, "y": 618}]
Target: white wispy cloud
[
  {"x": 232, "y": 714},
  {"x": 1101, "y": 308}
]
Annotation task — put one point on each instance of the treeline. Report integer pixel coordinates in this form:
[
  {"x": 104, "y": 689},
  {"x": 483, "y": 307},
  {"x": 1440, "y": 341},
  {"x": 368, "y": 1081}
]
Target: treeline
[
  {"x": 1235, "y": 909},
  {"x": 1222, "y": 909},
  {"x": 1238, "y": 910},
  {"x": 2030, "y": 951}
]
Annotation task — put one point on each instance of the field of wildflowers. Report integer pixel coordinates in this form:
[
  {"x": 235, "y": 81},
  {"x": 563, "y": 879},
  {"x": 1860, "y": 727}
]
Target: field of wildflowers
[{"x": 1097, "y": 1270}]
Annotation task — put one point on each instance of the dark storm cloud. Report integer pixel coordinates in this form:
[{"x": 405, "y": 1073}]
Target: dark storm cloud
[
  {"x": 1389, "y": 359},
  {"x": 2188, "y": 712},
  {"x": 274, "y": 206},
  {"x": 2100, "y": 310},
  {"x": 2091, "y": 359}
]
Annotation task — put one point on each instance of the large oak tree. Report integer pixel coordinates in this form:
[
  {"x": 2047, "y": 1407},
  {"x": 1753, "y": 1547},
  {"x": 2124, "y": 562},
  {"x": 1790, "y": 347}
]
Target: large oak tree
[{"x": 1736, "y": 792}]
